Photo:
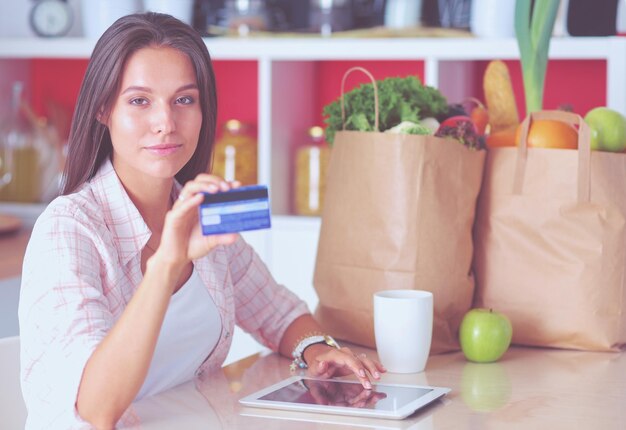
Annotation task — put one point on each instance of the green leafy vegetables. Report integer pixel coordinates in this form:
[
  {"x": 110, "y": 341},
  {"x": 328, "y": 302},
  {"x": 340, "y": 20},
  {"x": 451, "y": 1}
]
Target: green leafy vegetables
[
  {"x": 400, "y": 100},
  {"x": 409, "y": 127}
]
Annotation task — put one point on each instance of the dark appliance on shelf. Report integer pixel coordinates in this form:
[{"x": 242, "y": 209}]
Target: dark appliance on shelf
[
  {"x": 281, "y": 15},
  {"x": 446, "y": 13},
  {"x": 368, "y": 13},
  {"x": 592, "y": 17},
  {"x": 298, "y": 15}
]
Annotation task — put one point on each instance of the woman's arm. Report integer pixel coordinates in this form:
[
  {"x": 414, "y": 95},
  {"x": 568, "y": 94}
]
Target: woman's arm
[
  {"x": 279, "y": 320},
  {"x": 118, "y": 367},
  {"x": 325, "y": 361}
]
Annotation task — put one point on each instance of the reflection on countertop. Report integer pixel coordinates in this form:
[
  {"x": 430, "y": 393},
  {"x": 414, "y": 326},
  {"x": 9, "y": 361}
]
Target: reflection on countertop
[{"x": 530, "y": 388}]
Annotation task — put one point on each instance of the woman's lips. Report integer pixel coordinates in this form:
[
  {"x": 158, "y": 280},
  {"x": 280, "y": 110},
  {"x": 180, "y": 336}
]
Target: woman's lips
[{"x": 163, "y": 149}]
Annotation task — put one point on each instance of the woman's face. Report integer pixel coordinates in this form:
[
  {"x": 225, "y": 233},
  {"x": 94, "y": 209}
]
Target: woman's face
[{"x": 156, "y": 118}]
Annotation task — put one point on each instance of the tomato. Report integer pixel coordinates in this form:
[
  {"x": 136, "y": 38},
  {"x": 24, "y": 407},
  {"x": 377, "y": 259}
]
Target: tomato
[
  {"x": 478, "y": 114},
  {"x": 502, "y": 138},
  {"x": 454, "y": 121},
  {"x": 550, "y": 134}
]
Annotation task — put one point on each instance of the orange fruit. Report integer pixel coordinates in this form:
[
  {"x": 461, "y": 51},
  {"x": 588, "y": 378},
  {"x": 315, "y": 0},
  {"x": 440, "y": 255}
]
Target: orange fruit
[
  {"x": 550, "y": 134},
  {"x": 502, "y": 138},
  {"x": 478, "y": 114},
  {"x": 480, "y": 118}
]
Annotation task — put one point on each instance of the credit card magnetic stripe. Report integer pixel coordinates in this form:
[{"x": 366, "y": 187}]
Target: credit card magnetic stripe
[{"x": 245, "y": 193}]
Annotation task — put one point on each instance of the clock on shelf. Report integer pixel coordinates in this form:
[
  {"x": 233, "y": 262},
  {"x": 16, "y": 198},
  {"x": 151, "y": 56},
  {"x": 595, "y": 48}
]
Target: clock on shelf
[{"x": 51, "y": 18}]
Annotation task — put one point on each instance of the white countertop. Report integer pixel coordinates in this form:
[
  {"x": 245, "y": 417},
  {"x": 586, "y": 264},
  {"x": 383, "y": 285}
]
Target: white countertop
[{"x": 530, "y": 388}]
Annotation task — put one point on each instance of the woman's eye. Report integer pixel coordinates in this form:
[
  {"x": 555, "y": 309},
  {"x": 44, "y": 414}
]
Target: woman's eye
[
  {"x": 185, "y": 100},
  {"x": 138, "y": 101}
]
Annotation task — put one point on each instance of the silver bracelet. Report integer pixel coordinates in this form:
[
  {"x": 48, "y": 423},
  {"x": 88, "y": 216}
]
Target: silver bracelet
[{"x": 297, "y": 354}]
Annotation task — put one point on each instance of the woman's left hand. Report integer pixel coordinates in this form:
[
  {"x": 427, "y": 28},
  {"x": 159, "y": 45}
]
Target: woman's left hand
[{"x": 326, "y": 362}]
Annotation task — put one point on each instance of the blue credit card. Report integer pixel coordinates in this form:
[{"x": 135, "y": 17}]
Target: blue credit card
[{"x": 239, "y": 209}]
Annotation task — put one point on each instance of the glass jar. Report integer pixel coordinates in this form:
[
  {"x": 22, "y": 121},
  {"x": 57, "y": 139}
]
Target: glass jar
[
  {"x": 329, "y": 16},
  {"x": 311, "y": 165},
  {"x": 19, "y": 156},
  {"x": 235, "y": 154},
  {"x": 245, "y": 16}
]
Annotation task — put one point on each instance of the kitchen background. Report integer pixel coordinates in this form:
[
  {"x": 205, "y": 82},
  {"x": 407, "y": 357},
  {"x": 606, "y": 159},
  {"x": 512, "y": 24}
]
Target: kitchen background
[
  {"x": 278, "y": 62},
  {"x": 51, "y": 81}
]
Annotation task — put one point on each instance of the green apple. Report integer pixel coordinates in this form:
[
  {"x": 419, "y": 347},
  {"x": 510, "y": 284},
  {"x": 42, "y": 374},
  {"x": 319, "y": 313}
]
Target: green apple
[
  {"x": 594, "y": 139},
  {"x": 484, "y": 335},
  {"x": 608, "y": 129}
]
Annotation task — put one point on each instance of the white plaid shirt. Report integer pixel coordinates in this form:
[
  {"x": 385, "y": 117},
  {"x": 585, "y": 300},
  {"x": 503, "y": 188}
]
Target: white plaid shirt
[{"x": 81, "y": 268}]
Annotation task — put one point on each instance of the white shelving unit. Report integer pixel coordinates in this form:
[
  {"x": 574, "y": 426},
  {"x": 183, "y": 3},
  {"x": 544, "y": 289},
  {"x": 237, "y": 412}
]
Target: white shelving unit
[
  {"x": 286, "y": 95},
  {"x": 286, "y": 76}
]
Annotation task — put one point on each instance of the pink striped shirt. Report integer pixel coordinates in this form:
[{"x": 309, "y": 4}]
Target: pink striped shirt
[{"x": 81, "y": 268}]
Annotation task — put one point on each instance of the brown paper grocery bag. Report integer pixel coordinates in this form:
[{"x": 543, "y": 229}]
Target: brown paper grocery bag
[
  {"x": 398, "y": 214},
  {"x": 550, "y": 242}
]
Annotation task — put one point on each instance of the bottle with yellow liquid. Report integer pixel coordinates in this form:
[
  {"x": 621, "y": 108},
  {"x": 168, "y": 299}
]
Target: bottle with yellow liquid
[
  {"x": 235, "y": 154},
  {"x": 19, "y": 157},
  {"x": 311, "y": 165}
]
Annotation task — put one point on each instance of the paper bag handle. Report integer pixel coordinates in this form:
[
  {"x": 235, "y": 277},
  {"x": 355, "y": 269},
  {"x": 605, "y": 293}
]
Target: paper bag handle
[
  {"x": 343, "y": 84},
  {"x": 584, "y": 150}
]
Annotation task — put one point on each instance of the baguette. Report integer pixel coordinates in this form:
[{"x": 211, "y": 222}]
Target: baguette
[{"x": 499, "y": 96}]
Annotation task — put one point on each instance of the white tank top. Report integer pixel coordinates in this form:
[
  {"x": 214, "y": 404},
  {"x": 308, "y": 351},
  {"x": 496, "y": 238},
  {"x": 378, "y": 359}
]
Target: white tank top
[{"x": 190, "y": 331}]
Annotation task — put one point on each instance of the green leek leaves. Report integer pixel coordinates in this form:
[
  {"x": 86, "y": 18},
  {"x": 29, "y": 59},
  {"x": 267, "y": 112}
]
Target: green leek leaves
[{"x": 533, "y": 38}]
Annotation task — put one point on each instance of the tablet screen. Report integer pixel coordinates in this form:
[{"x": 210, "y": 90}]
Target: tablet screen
[{"x": 346, "y": 394}]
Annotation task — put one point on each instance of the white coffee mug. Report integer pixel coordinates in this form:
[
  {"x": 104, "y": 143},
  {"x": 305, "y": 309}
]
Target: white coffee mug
[{"x": 403, "y": 327}]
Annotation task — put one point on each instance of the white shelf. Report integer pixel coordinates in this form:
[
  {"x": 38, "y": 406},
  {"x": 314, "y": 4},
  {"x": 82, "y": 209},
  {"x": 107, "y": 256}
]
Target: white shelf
[
  {"x": 287, "y": 81},
  {"x": 441, "y": 49},
  {"x": 286, "y": 68},
  {"x": 313, "y": 49},
  {"x": 442, "y": 56}
]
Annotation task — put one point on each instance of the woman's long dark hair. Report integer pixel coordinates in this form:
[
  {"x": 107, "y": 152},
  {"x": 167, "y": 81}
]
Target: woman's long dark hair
[{"x": 90, "y": 141}]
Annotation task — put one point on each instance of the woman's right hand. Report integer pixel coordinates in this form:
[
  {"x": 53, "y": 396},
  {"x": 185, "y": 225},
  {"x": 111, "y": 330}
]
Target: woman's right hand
[{"x": 182, "y": 239}]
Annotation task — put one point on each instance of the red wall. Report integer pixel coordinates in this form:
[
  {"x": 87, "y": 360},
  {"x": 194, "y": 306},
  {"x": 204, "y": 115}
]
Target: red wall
[
  {"x": 237, "y": 91},
  {"x": 579, "y": 83},
  {"x": 54, "y": 88},
  {"x": 330, "y": 74},
  {"x": 57, "y": 82}
]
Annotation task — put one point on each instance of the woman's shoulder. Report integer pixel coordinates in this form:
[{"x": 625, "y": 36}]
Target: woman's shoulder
[
  {"x": 70, "y": 230},
  {"x": 77, "y": 208}
]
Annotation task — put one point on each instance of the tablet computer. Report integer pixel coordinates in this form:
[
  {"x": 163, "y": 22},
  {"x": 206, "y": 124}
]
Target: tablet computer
[{"x": 345, "y": 397}]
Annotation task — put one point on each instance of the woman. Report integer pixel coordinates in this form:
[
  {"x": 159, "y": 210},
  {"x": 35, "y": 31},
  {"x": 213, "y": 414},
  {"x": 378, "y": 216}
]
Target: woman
[{"x": 122, "y": 296}]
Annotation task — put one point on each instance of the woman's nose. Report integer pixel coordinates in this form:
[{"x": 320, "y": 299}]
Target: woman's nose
[{"x": 163, "y": 121}]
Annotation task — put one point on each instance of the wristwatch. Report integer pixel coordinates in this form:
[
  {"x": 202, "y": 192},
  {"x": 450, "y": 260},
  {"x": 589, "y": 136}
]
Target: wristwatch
[{"x": 298, "y": 352}]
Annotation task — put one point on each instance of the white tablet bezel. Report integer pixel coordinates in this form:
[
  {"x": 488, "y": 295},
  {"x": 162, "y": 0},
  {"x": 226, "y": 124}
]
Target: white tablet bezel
[{"x": 254, "y": 400}]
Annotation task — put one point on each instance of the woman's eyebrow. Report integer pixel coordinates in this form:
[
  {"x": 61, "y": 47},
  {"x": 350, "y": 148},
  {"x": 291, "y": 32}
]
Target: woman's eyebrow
[
  {"x": 192, "y": 86},
  {"x": 137, "y": 88},
  {"x": 148, "y": 90}
]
